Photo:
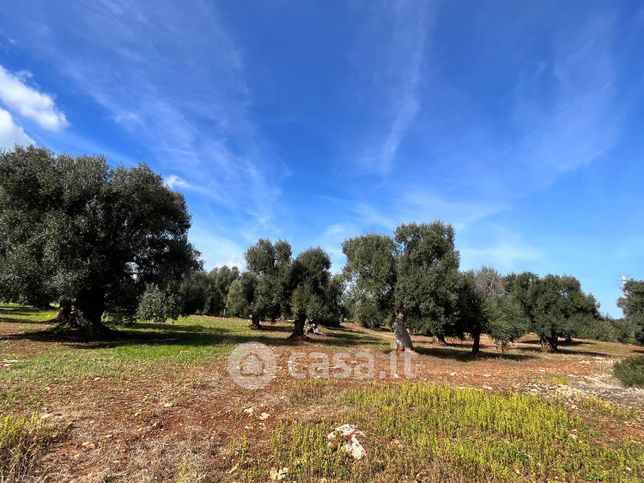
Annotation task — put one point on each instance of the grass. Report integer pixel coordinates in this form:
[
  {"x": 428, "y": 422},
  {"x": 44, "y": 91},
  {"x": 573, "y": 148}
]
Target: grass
[
  {"x": 22, "y": 440},
  {"x": 140, "y": 348},
  {"x": 19, "y": 313},
  {"x": 630, "y": 371},
  {"x": 437, "y": 432},
  {"x": 144, "y": 347},
  {"x": 560, "y": 380},
  {"x": 413, "y": 432}
]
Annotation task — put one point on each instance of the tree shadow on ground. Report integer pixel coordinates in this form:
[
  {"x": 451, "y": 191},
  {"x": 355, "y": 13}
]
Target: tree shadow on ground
[
  {"x": 12, "y": 320},
  {"x": 565, "y": 351},
  {"x": 348, "y": 339},
  {"x": 190, "y": 335},
  {"x": 561, "y": 342},
  {"x": 446, "y": 352}
]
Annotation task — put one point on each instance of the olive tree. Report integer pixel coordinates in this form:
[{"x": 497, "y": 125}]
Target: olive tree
[
  {"x": 556, "y": 306},
  {"x": 157, "y": 305},
  {"x": 370, "y": 270},
  {"x": 315, "y": 294},
  {"x": 239, "y": 301},
  {"x": 632, "y": 303},
  {"x": 271, "y": 264},
  {"x": 89, "y": 233},
  {"x": 411, "y": 279}
]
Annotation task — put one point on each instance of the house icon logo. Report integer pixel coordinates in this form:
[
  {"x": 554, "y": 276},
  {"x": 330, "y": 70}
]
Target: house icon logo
[{"x": 252, "y": 365}]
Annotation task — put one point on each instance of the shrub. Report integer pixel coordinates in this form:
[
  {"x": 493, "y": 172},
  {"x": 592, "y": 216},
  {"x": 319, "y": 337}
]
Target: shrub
[
  {"x": 157, "y": 305},
  {"x": 630, "y": 371},
  {"x": 21, "y": 441}
]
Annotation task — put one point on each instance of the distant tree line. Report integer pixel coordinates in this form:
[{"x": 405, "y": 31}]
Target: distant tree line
[
  {"x": 110, "y": 245},
  {"x": 275, "y": 286}
]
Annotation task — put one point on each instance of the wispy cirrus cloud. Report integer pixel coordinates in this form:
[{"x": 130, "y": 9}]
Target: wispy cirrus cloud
[
  {"x": 577, "y": 119},
  {"x": 398, "y": 83},
  {"x": 508, "y": 254},
  {"x": 172, "y": 77},
  {"x": 18, "y": 96}
]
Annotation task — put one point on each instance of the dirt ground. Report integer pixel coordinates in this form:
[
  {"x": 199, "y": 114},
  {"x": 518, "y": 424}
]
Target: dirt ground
[{"x": 145, "y": 427}]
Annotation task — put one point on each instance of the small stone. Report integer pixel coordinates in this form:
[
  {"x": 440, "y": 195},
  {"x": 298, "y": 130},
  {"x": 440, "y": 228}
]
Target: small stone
[{"x": 278, "y": 475}]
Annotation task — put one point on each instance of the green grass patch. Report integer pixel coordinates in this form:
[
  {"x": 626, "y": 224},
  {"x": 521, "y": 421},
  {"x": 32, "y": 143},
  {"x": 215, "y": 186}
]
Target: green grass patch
[
  {"x": 434, "y": 432},
  {"x": 20, "y": 313},
  {"x": 630, "y": 371},
  {"x": 560, "y": 380},
  {"x": 139, "y": 349},
  {"x": 22, "y": 440}
]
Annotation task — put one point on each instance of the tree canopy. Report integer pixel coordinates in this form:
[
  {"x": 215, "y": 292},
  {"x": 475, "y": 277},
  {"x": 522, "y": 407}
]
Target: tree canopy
[
  {"x": 271, "y": 264},
  {"x": 555, "y": 306},
  {"x": 77, "y": 231},
  {"x": 315, "y": 295},
  {"x": 410, "y": 279},
  {"x": 632, "y": 303}
]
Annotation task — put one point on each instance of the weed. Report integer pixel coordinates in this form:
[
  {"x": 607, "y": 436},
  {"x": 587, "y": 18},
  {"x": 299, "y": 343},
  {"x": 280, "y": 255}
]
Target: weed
[
  {"x": 22, "y": 439},
  {"x": 560, "y": 380},
  {"x": 630, "y": 371},
  {"x": 435, "y": 432}
]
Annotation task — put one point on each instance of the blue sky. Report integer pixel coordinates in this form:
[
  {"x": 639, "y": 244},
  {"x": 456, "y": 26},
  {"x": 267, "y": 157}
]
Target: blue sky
[{"x": 521, "y": 123}]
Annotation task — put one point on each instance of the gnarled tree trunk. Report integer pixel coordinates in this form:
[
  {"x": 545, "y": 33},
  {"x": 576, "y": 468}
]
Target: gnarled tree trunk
[
  {"x": 254, "y": 322},
  {"x": 476, "y": 343},
  {"x": 403, "y": 340},
  {"x": 84, "y": 313},
  {"x": 549, "y": 343},
  {"x": 298, "y": 328}
]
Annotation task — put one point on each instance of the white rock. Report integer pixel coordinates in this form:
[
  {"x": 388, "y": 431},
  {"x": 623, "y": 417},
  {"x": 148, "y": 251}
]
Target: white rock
[
  {"x": 344, "y": 430},
  {"x": 348, "y": 433},
  {"x": 278, "y": 475},
  {"x": 354, "y": 448}
]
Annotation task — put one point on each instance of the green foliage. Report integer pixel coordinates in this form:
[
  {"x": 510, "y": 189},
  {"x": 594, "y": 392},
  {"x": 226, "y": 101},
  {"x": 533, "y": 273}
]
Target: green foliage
[
  {"x": 156, "y": 305},
  {"x": 316, "y": 295},
  {"x": 194, "y": 293},
  {"x": 415, "y": 274},
  {"x": 75, "y": 228},
  {"x": 632, "y": 303},
  {"x": 555, "y": 305},
  {"x": 473, "y": 316},
  {"x": 206, "y": 293},
  {"x": 239, "y": 301},
  {"x": 630, "y": 371},
  {"x": 271, "y": 264},
  {"x": 222, "y": 278},
  {"x": 427, "y": 280},
  {"x": 420, "y": 432},
  {"x": 507, "y": 321},
  {"x": 371, "y": 272},
  {"x": 486, "y": 307}
]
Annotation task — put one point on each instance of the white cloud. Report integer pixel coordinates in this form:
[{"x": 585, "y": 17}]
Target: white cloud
[
  {"x": 198, "y": 126},
  {"x": 216, "y": 250},
  {"x": 411, "y": 22},
  {"x": 28, "y": 102},
  {"x": 506, "y": 255},
  {"x": 11, "y": 133},
  {"x": 173, "y": 181}
]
